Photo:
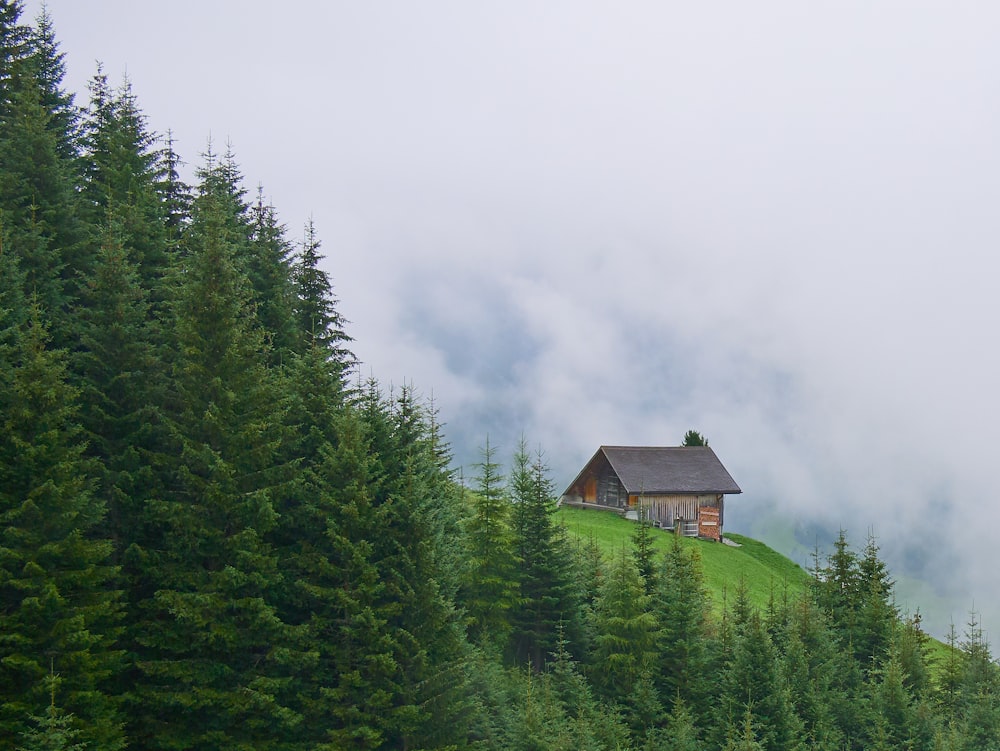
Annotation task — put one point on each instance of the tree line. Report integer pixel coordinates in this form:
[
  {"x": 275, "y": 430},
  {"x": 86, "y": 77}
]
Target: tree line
[{"x": 215, "y": 535}]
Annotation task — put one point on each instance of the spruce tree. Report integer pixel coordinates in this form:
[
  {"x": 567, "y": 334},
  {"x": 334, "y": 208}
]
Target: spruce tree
[
  {"x": 13, "y": 47},
  {"x": 979, "y": 693},
  {"x": 337, "y": 591},
  {"x": 37, "y": 200},
  {"x": 448, "y": 511},
  {"x": 50, "y": 68},
  {"x": 643, "y": 551},
  {"x": 53, "y": 731},
  {"x": 877, "y": 615},
  {"x": 681, "y": 607},
  {"x": 215, "y": 659},
  {"x": 59, "y": 611},
  {"x": 694, "y": 438},
  {"x": 892, "y": 706},
  {"x": 319, "y": 320},
  {"x": 625, "y": 631},
  {"x": 409, "y": 651},
  {"x": 680, "y": 733},
  {"x": 811, "y": 663},
  {"x": 837, "y": 589},
  {"x": 548, "y": 595},
  {"x": 120, "y": 181},
  {"x": 413, "y": 501},
  {"x": 122, "y": 386},
  {"x": 949, "y": 681},
  {"x": 269, "y": 269},
  {"x": 174, "y": 193},
  {"x": 488, "y": 588},
  {"x": 753, "y": 683}
]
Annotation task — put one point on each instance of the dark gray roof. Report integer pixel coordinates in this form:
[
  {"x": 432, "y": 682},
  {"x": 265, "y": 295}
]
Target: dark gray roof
[{"x": 671, "y": 469}]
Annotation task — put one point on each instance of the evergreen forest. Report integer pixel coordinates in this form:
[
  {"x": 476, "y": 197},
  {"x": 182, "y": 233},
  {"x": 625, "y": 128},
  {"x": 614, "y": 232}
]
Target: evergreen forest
[{"x": 214, "y": 534}]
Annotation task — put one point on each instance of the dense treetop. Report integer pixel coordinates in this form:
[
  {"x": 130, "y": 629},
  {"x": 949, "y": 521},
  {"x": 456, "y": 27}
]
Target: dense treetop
[{"x": 213, "y": 535}]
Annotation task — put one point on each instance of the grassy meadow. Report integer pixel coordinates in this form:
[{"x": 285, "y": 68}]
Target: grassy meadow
[{"x": 764, "y": 572}]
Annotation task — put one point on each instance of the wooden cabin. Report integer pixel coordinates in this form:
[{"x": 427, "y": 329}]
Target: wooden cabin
[{"x": 681, "y": 488}]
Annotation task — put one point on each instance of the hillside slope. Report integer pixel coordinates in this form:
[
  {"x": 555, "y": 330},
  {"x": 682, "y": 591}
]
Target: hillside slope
[{"x": 764, "y": 572}]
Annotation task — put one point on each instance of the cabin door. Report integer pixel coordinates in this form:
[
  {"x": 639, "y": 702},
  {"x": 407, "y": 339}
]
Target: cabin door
[{"x": 590, "y": 490}]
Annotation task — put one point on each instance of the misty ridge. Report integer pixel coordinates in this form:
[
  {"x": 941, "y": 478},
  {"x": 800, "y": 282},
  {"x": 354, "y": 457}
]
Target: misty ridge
[{"x": 221, "y": 529}]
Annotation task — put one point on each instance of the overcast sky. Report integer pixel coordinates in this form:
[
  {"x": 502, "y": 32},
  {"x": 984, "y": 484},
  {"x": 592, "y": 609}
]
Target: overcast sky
[{"x": 600, "y": 223}]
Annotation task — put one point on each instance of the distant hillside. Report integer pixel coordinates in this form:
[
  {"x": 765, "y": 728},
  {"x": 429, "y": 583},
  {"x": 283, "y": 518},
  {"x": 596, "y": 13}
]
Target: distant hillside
[{"x": 763, "y": 571}]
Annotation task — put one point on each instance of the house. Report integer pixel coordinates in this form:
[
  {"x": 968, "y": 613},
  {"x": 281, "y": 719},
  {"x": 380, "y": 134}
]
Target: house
[{"x": 683, "y": 486}]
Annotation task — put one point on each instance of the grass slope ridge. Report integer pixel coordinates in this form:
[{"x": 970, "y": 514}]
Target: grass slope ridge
[{"x": 764, "y": 572}]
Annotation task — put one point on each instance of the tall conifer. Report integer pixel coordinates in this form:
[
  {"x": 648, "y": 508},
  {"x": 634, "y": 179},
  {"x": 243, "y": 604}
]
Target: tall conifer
[
  {"x": 37, "y": 195},
  {"x": 319, "y": 320},
  {"x": 270, "y": 272},
  {"x": 59, "y": 611},
  {"x": 680, "y": 603},
  {"x": 548, "y": 595},
  {"x": 489, "y": 581},
  {"x": 215, "y": 657},
  {"x": 625, "y": 631},
  {"x": 120, "y": 180}
]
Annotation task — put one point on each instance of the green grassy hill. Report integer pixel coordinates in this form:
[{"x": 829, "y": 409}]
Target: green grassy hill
[{"x": 763, "y": 571}]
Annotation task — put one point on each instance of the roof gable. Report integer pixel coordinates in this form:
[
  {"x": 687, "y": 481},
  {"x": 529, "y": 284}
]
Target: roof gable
[{"x": 669, "y": 469}]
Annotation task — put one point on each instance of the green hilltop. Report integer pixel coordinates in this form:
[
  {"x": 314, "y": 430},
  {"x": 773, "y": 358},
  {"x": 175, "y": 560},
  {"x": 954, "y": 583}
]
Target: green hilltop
[{"x": 764, "y": 572}]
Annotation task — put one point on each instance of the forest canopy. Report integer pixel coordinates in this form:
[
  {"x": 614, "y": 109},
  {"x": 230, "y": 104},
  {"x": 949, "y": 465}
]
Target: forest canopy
[{"x": 215, "y": 535}]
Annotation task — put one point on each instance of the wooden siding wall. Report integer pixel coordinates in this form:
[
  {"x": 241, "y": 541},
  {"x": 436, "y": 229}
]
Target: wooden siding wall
[
  {"x": 666, "y": 508},
  {"x": 610, "y": 491}
]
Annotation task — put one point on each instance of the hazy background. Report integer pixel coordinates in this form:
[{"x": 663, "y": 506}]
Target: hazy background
[{"x": 597, "y": 223}]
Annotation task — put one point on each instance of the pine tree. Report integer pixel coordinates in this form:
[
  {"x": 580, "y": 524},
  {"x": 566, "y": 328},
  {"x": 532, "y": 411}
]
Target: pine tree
[
  {"x": 979, "y": 696},
  {"x": 811, "y": 668},
  {"x": 681, "y": 607},
  {"x": 428, "y": 702},
  {"x": 837, "y": 589},
  {"x": 37, "y": 200},
  {"x": 892, "y": 706},
  {"x": 753, "y": 683},
  {"x": 215, "y": 658},
  {"x": 120, "y": 181},
  {"x": 642, "y": 550},
  {"x": 121, "y": 385},
  {"x": 174, "y": 193},
  {"x": 270, "y": 271},
  {"x": 489, "y": 583},
  {"x": 680, "y": 734},
  {"x": 694, "y": 438},
  {"x": 877, "y": 615},
  {"x": 13, "y": 47},
  {"x": 625, "y": 631},
  {"x": 547, "y": 589},
  {"x": 59, "y": 609},
  {"x": 50, "y": 67},
  {"x": 319, "y": 320}
]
